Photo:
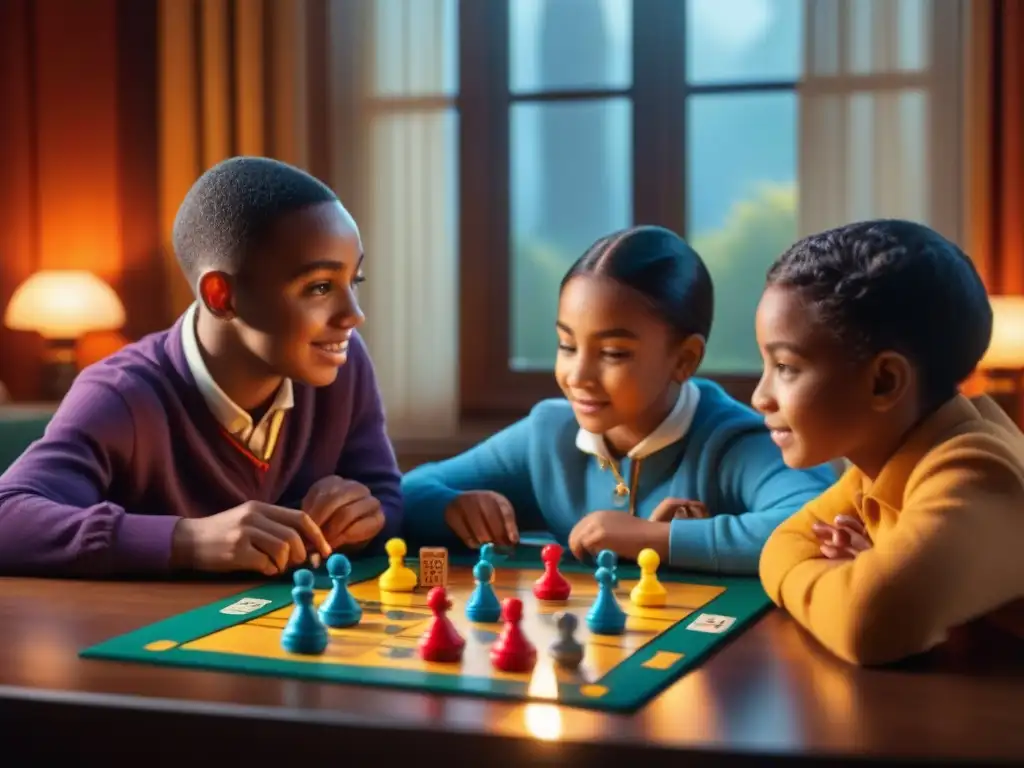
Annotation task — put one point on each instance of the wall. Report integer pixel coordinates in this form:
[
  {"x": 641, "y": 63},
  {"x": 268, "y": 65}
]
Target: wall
[{"x": 78, "y": 161}]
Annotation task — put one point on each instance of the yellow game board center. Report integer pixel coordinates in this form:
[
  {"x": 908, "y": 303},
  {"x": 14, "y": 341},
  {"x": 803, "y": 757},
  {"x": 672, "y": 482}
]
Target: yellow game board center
[
  {"x": 648, "y": 592},
  {"x": 398, "y": 577}
]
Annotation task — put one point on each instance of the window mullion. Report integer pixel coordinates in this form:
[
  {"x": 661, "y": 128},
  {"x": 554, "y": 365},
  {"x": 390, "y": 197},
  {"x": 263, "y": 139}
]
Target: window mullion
[
  {"x": 659, "y": 113},
  {"x": 483, "y": 191}
]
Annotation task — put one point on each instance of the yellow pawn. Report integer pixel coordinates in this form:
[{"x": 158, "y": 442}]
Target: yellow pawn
[
  {"x": 398, "y": 577},
  {"x": 648, "y": 592}
]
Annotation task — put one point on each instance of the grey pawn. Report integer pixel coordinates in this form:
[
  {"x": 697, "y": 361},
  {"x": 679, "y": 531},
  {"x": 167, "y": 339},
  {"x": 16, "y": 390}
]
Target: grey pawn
[{"x": 566, "y": 650}]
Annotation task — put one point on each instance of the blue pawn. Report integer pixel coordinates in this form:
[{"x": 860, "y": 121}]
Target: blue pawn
[
  {"x": 483, "y": 604},
  {"x": 487, "y": 553},
  {"x": 304, "y": 632},
  {"x": 340, "y": 609},
  {"x": 608, "y": 559},
  {"x": 606, "y": 616},
  {"x": 491, "y": 554}
]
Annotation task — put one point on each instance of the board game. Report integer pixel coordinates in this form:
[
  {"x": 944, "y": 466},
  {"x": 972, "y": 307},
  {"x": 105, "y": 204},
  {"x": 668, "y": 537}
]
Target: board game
[{"x": 615, "y": 672}]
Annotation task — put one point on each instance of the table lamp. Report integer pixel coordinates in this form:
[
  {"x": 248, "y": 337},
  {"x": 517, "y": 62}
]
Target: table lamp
[
  {"x": 1003, "y": 363},
  {"x": 62, "y": 306}
]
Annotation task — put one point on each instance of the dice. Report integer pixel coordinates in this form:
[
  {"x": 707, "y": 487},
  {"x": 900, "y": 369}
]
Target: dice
[{"x": 433, "y": 567}]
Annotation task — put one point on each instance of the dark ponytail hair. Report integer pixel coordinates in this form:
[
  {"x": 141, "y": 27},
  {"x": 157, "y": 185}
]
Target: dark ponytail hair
[{"x": 659, "y": 265}]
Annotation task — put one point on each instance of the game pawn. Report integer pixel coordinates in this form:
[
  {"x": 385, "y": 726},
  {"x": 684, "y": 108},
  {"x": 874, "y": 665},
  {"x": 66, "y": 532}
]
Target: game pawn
[
  {"x": 483, "y": 605},
  {"x": 441, "y": 642},
  {"x": 552, "y": 586},
  {"x": 608, "y": 559},
  {"x": 398, "y": 577},
  {"x": 488, "y": 555},
  {"x": 606, "y": 616},
  {"x": 305, "y": 632},
  {"x": 340, "y": 609},
  {"x": 648, "y": 591},
  {"x": 512, "y": 651},
  {"x": 566, "y": 650}
]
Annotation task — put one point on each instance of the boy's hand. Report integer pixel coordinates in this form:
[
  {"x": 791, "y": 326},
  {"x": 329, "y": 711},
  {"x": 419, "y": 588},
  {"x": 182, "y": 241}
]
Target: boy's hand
[
  {"x": 253, "y": 536},
  {"x": 620, "y": 532},
  {"x": 844, "y": 539},
  {"x": 678, "y": 509},
  {"x": 480, "y": 517},
  {"x": 345, "y": 510}
]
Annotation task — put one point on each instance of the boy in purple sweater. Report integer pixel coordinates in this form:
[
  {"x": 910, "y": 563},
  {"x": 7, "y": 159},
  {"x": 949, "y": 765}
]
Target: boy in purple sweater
[{"x": 250, "y": 435}]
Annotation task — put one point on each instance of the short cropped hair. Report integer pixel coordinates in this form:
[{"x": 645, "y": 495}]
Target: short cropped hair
[
  {"x": 890, "y": 284},
  {"x": 660, "y": 266},
  {"x": 229, "y": 208}
]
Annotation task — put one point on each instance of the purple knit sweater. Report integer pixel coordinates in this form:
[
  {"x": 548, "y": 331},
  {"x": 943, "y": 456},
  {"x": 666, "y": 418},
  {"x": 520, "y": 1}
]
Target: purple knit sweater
[{"x": 133, "y": 448}]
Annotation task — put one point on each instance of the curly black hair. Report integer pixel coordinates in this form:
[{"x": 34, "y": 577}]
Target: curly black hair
[
  {"x": 229, "y": 208},
  {"x": 659, "y": 265},
  {"x": 890, "y": 284}
]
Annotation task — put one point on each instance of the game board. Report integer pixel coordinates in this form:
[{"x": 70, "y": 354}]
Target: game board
[{"x": 618, "y": 673}]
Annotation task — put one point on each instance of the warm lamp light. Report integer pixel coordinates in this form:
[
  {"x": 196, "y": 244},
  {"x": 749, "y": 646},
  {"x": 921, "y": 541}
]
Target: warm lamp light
[
  {"x": 1007, "y": 347},
  {"x": 62, "y": 306},
  {"x": 1003, "y": 363}
]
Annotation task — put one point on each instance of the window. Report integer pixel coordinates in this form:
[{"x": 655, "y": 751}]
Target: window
[
  {"x": 489, "y": 142},
  {"x": 399, "y": 61},
  {"x": 742, "y": 125},
  {"x": 592, "y": 115}
]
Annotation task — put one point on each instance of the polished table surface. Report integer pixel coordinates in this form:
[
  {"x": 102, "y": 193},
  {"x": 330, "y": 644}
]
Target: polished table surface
[{"x": 770, "y": 695}]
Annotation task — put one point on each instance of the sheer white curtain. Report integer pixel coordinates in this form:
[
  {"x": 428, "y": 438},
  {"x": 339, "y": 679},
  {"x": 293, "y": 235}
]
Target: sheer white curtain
[
  {"x": 881, "y": 112},
  {"x": 405, "y": 197}
]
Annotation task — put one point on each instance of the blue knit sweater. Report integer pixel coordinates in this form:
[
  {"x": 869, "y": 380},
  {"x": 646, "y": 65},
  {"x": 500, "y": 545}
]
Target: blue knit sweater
[{"x": 726, "y": 460}]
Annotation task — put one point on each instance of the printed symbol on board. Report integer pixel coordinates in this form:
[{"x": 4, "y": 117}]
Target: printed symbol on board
[
  {"x": 712, "y": 623},
  {"x": 244, "y": 606}
]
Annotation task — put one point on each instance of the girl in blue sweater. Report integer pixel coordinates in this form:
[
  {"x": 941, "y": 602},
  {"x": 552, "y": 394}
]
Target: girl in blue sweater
[{"x": 640, "y": 453}]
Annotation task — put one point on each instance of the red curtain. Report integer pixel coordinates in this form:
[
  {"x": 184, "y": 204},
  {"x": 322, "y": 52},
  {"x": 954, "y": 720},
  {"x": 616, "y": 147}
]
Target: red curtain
[{"x": 996, "y": 143}]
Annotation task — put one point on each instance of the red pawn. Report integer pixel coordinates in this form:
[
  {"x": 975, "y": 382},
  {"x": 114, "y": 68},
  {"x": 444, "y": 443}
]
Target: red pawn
[
  {"x": 552, "y": 586},
  {"x": 441, "y": 641},
  {"x": 512, "y": 652}
]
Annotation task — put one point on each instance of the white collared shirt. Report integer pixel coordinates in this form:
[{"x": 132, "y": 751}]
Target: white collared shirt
[
  {"x": 259, "y": 438},
  {"x": 671, "y": 430}
]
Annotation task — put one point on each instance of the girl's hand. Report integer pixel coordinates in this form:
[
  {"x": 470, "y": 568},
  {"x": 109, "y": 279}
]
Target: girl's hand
[
  {"x": 678, "y": 509},
  {"x": 481, "y": 517},
  {"x": 844, "y": 539},
  {"x": 620, "y": 532}
]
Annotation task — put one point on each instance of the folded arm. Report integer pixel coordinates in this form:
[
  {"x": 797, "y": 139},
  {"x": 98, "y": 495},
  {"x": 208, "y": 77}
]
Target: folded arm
[
  {"x": 950, "y": 558},
  {"x": 55, "y": 519},
  {"x": 758, "y": 492}
]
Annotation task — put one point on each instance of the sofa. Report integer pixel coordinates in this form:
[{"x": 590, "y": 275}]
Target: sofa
[{"x": 20, "y": 426}]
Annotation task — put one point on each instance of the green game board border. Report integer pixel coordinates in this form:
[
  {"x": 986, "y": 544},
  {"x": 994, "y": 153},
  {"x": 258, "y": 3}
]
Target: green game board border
[{"x": 630, "y": 685}]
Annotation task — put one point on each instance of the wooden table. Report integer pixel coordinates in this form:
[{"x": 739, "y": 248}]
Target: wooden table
[{"x": 770, "y": 696}]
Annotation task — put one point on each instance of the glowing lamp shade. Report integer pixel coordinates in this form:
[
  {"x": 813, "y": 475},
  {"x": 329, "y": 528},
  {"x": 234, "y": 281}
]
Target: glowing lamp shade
[
  {"x": 64, "y": 305},
  {"x": 1006, "y": 351}
]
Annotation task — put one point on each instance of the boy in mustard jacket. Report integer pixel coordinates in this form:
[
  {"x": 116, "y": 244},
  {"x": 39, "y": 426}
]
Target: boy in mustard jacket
[{"x": 867, "y": 331}]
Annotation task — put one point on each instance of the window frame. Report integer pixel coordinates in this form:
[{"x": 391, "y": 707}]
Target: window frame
[{"x": 489, "y": 389}]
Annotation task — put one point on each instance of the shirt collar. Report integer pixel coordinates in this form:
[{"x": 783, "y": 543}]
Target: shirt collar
[
  {"x": 671, "y": 430},
  {"x": 233, "y": 418},
  {"x": 890, "y": 485}
]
